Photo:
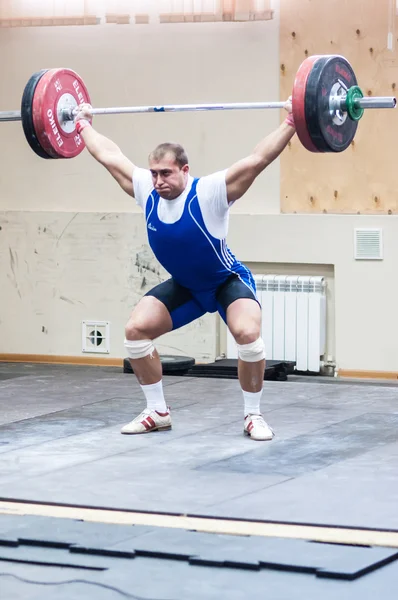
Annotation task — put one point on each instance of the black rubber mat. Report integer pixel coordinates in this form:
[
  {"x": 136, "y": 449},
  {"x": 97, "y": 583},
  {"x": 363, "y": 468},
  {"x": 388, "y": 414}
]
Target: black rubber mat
[
  {"x": 46, "y": 530},
  {"x": 335, "y": 561},
  {"x": 113, "y": 542},
  {"x": 4, "y": 377},
  {"x": 318, "y": 450},
  {"x": 51, "y": 557},
  {"x": 227, "y": 368}
]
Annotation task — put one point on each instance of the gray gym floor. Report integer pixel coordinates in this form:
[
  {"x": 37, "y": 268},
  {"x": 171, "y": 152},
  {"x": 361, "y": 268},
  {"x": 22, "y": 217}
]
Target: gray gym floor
[{"x": 334, "y": 461}]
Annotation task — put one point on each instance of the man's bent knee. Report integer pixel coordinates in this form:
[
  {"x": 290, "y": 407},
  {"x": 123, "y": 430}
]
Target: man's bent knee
[
  {"x": 253, "y": 352},
  {"x": 133, "y": 331},
  {"x": 246, "y": 335},
  {"x": 139, "y": 348}
]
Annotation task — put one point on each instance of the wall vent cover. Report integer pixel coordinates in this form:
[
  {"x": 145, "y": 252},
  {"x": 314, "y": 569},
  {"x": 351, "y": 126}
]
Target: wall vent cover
[
  {"x": 95, "y": 337},
  {"x": 368, "y": 244}
]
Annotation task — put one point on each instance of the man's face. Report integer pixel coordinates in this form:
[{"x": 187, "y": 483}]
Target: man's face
[{"x": 169, "y": 180}]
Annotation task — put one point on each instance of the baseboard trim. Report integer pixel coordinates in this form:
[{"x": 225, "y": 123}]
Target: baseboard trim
[
  {"x": 105, "y": 361},
  {"x": 95, "y": 361},
  {"x": 367, "y": 374}
]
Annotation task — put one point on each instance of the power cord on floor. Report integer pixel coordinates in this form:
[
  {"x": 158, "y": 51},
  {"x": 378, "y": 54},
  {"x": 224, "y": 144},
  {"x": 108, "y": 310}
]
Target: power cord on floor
[{"x": 101, "y": 585}]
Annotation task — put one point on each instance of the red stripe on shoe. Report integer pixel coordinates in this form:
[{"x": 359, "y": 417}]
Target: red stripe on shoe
[
  {"x": 151, "y": 422},
  {"x": 250, "y": 426},
  {"x": 146, "y": 425}
]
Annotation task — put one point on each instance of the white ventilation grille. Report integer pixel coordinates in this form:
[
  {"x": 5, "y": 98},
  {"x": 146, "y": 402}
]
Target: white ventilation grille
[
  {"x": 368, "y": 244},
  {"x": 95, "y": 337}
]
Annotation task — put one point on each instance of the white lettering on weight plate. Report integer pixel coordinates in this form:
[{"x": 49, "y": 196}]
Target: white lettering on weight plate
[
  {"x": 79, "y": 94},
  {"x": 53, "y": 126},
  {"x": 58, "y": 85}
]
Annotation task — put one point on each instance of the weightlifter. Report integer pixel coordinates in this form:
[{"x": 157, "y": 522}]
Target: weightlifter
[{"x": 187, "y": 223}]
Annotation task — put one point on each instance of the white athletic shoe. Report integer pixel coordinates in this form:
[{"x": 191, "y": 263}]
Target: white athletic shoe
[
  {"x": 147, "y": 421},
  {"x": 256, "y": 428}
]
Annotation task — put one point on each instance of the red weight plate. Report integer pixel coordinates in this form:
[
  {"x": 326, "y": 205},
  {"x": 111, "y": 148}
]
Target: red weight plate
[
  {"x": 56, "y": 90},
  {"x": 298, "y": 102}
]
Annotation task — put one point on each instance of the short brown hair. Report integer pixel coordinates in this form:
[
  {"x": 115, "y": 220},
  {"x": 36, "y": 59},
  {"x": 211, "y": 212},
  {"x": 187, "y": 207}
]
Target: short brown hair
[{"x": 176, "y": 150}]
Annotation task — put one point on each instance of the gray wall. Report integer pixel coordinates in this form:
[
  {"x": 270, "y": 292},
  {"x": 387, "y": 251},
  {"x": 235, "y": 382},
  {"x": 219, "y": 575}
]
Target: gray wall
[{"x": 72, "y": 244}]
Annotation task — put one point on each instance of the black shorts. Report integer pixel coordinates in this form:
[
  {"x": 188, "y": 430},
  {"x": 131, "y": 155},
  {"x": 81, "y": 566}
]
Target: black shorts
[{"x": 184, "y": 307}]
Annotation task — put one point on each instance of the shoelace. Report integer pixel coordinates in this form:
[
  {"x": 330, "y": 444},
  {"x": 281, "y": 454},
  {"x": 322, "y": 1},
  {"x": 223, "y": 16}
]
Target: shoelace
[
  {"x": 259, "y": 419},
  {"x": 143, "y": 414}
]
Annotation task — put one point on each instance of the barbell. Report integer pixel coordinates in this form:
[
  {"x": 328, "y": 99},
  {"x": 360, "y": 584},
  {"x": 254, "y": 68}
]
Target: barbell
[{"x": 327, "y": 105}]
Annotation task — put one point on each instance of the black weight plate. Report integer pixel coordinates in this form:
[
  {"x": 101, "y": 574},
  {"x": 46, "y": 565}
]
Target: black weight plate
[
  {"x": 176, "y": 363},
  {"x": 27, "y": 114},
  {"x": 329, "y": 75},
  {"x": 127, "y": 366}
]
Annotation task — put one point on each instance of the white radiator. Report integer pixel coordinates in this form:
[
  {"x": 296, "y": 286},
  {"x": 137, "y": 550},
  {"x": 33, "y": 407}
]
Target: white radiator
[{"x": 293, "y": 319}]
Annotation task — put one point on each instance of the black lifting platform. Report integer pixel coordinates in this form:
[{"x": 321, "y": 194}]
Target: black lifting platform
[{"x": 227, "y": 368}]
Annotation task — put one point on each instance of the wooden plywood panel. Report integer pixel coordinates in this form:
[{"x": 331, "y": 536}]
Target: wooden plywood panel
[{"x": 364, "y": 178}]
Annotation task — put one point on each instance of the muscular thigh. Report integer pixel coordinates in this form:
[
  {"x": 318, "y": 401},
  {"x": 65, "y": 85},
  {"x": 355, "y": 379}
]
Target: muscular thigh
[
  {"x": 234, "y": 296},
  {"x": 149, "y": 319},
  {"x": 176, "y": 301},
  {"x": 239, "y": 308},
  {"x": 244, "y": 320}
]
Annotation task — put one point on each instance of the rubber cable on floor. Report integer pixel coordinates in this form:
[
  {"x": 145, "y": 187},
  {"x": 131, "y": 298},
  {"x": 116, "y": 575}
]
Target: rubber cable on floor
[{"x": 101, "y": 585}]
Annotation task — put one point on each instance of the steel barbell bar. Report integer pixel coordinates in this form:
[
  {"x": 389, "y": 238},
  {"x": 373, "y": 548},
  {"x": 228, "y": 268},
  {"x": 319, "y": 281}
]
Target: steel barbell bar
[
  {"x": 68, "y": 113},
  {"x": 338, "y": 102}
]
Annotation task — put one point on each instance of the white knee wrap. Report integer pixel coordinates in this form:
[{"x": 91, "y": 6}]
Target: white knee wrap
[
  {"x": 253, "y": 352},
  {"x": 139, "y": 348}
]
